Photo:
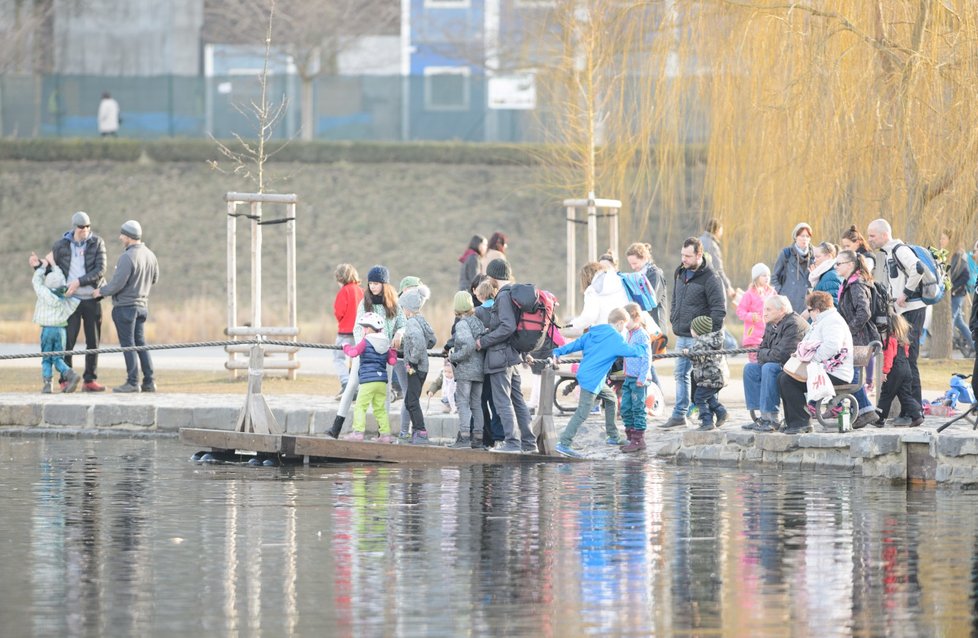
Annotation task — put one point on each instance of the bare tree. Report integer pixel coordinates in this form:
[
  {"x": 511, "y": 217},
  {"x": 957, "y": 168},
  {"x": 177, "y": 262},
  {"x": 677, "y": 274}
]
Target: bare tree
[{"x": 313, "y": 32}]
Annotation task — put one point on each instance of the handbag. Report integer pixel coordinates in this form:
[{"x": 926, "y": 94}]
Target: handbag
[
  {"x": 796, "y": 368},
  {"x": 819, "y": 385}
]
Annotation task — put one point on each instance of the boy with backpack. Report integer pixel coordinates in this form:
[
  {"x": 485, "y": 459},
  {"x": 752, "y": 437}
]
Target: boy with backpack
[{"x": 600, "y": 346}]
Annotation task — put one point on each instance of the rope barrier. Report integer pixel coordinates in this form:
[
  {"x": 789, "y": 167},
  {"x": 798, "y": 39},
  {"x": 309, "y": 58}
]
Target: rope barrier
[{"x": 679, "y": 355}]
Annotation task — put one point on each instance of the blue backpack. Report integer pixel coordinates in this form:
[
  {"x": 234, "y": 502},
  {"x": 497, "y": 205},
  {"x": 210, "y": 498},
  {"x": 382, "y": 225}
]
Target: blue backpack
[
  {"x": 935, "y": 280},
  {"x": 639, "y": 290}
]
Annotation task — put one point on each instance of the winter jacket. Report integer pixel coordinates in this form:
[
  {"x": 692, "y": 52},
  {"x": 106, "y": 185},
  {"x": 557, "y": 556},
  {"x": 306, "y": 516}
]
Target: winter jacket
[
  {"x": 135, "y": 273},
  {"x": 959, "y": 274},
  {"x": 658, "y": 280},
  {"x": 893, "y": 351},
  {"x": 601, "y": 345},
  {"x": 375, "y": 354},
  {"x": 696, "y": 292},
  {"x": 639, "y": 367},
  {"x": 904, "y": 278},
  {"x": 52, "y": 308},
  {"x": 856, "y": 307},
  {"x": 345, "y": 307},
  {"x": 790, "y": 276},
  {"x": 418, "y": 337},
  {"x": 94, "y": 258},
  {"x": 781, "y": 339},
  {"x": 832, "y": 335},
  {"x": 468, "y": 361},
  {"x": 500, "y": 354},
  {"x": 828, "y": 281},
  {"x": 605, "y": 293},
  {"x": 753, "y": 302},
  {"x": 709, "y": 371},
  {"x": 471, "y": 266},
  {"x": 711, "y": 247}
]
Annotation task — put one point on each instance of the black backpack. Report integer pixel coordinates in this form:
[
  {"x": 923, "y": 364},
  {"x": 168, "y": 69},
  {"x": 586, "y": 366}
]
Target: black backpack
[{"x": 879, "y": 306}]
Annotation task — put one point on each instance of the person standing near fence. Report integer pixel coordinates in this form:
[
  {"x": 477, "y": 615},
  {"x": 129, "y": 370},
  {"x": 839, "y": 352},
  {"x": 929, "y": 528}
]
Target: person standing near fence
[
  {"x": 345, "y": 304},
  {"x": 135, "y": 274},
  {"x": 108, "y": 116}
]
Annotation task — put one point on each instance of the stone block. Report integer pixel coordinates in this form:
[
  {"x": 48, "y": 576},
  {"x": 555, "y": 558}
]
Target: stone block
[
  {"x": 694, "y": 438},
  {"x": 917, "y": 435},
  {"x": 743, "y": 438},
  {"x": 172, "y": 419},
  {"x": 953, "y": 445},
  {"x": 664, "y": 447},
  {"x": 215, "y": 418},
  {"x": 25, "y": 415},
  {"x": 776, "y": 442},
  {"x": 889, "y": 467},
  {"x": 108, "y": 414},
  {"x": 66, "y": 414},
  {"x": 956, "y": 474},
  {"x": 752, "y": 455},
  {"x": 873, "y": 445},
  {"x": 717, "y": 453},
  {"x": 827, "y": 440},
  {"x": 834, "y": 458},
  {"x": 322, "y": 421},
  {"x": 297, "y": 421}
]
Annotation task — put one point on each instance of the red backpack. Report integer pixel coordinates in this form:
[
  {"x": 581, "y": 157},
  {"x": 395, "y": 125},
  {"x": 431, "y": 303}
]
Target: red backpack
[{"x": 536, "y": 328}]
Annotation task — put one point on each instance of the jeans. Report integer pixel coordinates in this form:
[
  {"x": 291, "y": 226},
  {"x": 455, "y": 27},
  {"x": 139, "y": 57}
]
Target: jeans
[
  {"x": 340, "y": 361},
  {"x": 507, "y": 399},
  {"x": 89, "y": 313},
  {"x": 468, "y": 399},
  {"x": 708, "y": 403},
  {"x": 633, "y": 404},
  {"x": 959, "y": 322},
  {"x": 400, "y": 373},
  {"x": 862, "y": 399},
  {"x": 761, "y": 387},
  {"x": 129, "y": 322},
  {"x": 683, "y": 374},
  {"x": 372, "y": 394},
  {"x": 584, "y": 406},
  {"x": 52, "y": 340}
]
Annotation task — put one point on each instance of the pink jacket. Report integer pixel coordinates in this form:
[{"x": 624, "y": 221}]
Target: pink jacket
[{"x": 751, "y": 302}]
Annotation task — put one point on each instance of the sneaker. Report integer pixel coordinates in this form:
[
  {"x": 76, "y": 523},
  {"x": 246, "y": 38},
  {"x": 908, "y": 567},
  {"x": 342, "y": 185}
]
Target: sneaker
[
  {"x": 353, "y": 436},
  {"x": 765, "y": 426},
  {"x": 812, "y": 410},
  {"x": 864, "y": 419},
  {"x": 71, "y": 381},
  {"x": 528, "y": 448},
  {"x": 797, "y": 430},
  {"x": 476, "y": 441},
  {"x": 901, "y": 422},
  {"x": 93, "y": 386},
  {"x": 387, "y": 439},
  {"x": 565, "y": 450},
  {"x": 706, "y": 427},
  {"x": 404, "y": 436},
  {"x": 419, "y": 437},
  {"x": 126, "y": 388},
  {"x": 148, "y": 387},
  {"x": 832, "y": 413},
  {"x": 614, "y": 440},
  {"x": 917, "y": 421},
  {"x": 46, "y": 388},
  {"x": 461, "y": 442},
  {"x": 508, "y": 447},
  {"x": 722, "y": 418},
  {"x": 675, "y": 422}
]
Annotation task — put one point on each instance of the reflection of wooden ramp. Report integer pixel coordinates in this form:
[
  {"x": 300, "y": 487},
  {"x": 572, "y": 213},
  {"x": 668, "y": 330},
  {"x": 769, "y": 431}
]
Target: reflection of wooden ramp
[{"x": 327, "y": 449}]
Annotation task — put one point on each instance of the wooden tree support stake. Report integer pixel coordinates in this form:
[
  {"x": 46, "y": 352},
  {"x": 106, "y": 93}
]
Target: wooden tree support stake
[
  {"x": 543, "y": 423},
  {"x": 255, "y": 416}
]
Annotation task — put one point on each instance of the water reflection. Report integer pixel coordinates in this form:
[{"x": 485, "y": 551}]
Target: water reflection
[{"x": 128, "y": 538}]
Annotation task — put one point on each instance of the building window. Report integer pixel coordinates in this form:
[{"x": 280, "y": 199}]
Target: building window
[
  {"x": 446, "y": 88},
  {"x": 536, "y": 4},
  {"x": 446, "y": 4}
]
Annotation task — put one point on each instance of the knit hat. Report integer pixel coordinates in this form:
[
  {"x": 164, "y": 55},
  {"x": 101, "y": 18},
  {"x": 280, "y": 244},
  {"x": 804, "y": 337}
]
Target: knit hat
[
  {"x": 412, "y": 300},
  {"x": 55, "y": 279},
  {"x": 132, "y": 229},
  {"x": 379, "y": 274},
  {"x": 409, "y": 282},
  {"x": 499, "y": 270},
  {"x": 463, "y": 301},
  {"x": 759, "y": 269},
  {"x": 80, "y": 219},
  {"x": 702, "y": 325},
  {"x": 799, "y": 227}
]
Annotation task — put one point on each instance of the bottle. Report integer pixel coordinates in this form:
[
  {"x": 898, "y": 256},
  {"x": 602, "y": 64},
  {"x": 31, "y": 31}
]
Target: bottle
[{"x": 844, "y": 423}]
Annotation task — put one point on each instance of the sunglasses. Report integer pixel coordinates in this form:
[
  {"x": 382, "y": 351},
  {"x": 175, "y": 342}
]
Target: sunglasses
[{"x": 85, "y": 226}]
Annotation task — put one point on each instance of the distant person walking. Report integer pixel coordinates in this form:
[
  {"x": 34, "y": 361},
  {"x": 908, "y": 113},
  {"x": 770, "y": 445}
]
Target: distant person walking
[
  {"x": 790, "y": 276},
  {"x": 135, "y": 274},
  {"x": 472, "y": 261},
  {"x": 80, "y": 254},
  {"x": 108, "y": 116},
  {"x": 496, "y": 248}
]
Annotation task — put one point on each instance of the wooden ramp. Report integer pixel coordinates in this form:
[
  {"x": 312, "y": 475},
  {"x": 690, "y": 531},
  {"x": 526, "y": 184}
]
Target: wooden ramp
[{"x": 325, "y": 449}]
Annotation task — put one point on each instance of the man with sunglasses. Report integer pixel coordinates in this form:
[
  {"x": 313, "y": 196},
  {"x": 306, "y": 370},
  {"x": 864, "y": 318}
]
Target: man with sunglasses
[{"x": 80, "y": 254}]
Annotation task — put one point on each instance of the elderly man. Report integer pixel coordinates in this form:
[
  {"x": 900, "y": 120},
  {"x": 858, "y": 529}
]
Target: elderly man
[
  {"x": 904, "y": 273},
  {"x": 783, "y": 330}
]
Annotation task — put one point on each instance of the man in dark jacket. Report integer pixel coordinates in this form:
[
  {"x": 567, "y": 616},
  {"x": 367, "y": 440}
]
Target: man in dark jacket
[
  {"x": 80, "y": 254},
  {"x": 782, "y": 332},
  {"x": 500, "y": 364},
  {"x": 697, "y": 291}
]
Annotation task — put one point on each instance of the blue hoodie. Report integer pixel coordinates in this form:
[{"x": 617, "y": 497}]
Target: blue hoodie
[{"x": 601, "y": 345}]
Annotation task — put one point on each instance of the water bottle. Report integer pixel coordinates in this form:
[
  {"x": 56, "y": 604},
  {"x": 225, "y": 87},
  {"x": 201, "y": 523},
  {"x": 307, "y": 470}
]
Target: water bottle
[{"x": 845, "y": 425}]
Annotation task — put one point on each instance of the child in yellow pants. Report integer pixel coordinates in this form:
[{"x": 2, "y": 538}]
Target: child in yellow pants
[{"x": 375, "y": 354}]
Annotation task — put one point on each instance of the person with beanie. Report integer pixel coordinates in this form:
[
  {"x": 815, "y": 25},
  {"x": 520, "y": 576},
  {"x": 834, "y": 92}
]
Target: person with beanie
[
  {"x": 135, "y": 274},
  {"x": 710, "y": 372},
  {"x": 502, "y": 363},
  {"x": 345, "y": 304},
  {"x": 80, "y": 254},
  {"x": 380, "y": 298},
  {"x": 51, "y": 312},
  {"x": 791, "y": 270},
  {"x": 399, "y": 386},
  {"x": 469, "y": 374},
  {"x": 750, "y": 310},
  {"x": 418, "y": 337}
]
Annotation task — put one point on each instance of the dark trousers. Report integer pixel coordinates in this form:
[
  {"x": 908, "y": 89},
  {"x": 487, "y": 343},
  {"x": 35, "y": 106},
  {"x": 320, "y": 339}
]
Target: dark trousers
[
  {"x": 898, "y": 384},
  {"x": 794, "y": 401},
  {"x": 129, "y": 322},
  {"x": 89, "y": 314},
  {"x": 916, "y": 320},
  {"x": 708, "y": 403},
  {"x": 493, "y": 429},
  {"x": 412, "y": 399}
]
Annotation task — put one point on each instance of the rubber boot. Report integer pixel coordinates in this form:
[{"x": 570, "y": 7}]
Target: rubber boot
[
  {"x": 636, "y": 442},
  {"x": 334, "y": 431}
]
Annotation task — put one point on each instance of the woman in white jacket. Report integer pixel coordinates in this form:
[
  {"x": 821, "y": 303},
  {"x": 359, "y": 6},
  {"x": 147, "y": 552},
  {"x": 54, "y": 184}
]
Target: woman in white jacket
[
  {"x": 603, "y": 292},
  {"x": 832, "y": 339}
]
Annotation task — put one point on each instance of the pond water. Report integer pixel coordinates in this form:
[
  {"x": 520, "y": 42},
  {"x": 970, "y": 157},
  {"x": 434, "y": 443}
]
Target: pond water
[{"x": 129, "y": 538}]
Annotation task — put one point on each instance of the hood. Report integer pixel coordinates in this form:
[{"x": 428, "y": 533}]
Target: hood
[
  {"x": 602, "y": 333},
  {"x": 713, "y": 339},
  {"x": 607, "y": 284},
  {"x": 429, "y": 334},
  {"x": 466, "y": 255},
  {"x": 379, "y": 341}
]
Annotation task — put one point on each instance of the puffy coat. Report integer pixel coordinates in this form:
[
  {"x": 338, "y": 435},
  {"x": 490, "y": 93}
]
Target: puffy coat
[
  {"x": 856, "y": 307},
  {"x": 94, "y": 258},
  {"x": 500, "y": 354},
  {"x": 753, "y": 302},
  {"x": 700, "y": 294},
  {"x": 468, "y": 361},
  {"x": 710, "y": 371},
  {"x": 418, "y": 337},
  {"x": 605, "y": 293},
  {"x": 790, "y": 276}
]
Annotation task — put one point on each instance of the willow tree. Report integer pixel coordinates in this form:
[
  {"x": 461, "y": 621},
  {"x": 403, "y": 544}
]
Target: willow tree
[{"x": 834, "y": 113}]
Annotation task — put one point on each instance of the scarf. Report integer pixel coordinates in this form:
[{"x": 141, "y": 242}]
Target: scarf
[
  {"x": 466, "y": 255},
  {"x": 820, "y": 270}
]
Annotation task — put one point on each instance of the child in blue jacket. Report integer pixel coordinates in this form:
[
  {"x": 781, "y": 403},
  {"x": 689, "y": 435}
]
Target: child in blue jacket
[{"x": 600, "y": 346}]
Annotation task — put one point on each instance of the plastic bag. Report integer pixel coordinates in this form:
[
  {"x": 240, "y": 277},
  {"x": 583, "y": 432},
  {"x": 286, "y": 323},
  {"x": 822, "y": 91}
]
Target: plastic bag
[{"x": 819, "y": 385}]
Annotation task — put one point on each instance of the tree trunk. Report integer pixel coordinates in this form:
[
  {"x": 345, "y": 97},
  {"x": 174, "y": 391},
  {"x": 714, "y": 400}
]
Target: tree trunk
[
  {"x": 308, "y": 109},
  {"x": 940, "y": 341}
]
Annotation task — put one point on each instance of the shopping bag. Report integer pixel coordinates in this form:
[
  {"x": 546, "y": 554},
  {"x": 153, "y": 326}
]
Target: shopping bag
[
  {"x": 796, "y": 368},
  {"x": 819, "y": 385}
]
